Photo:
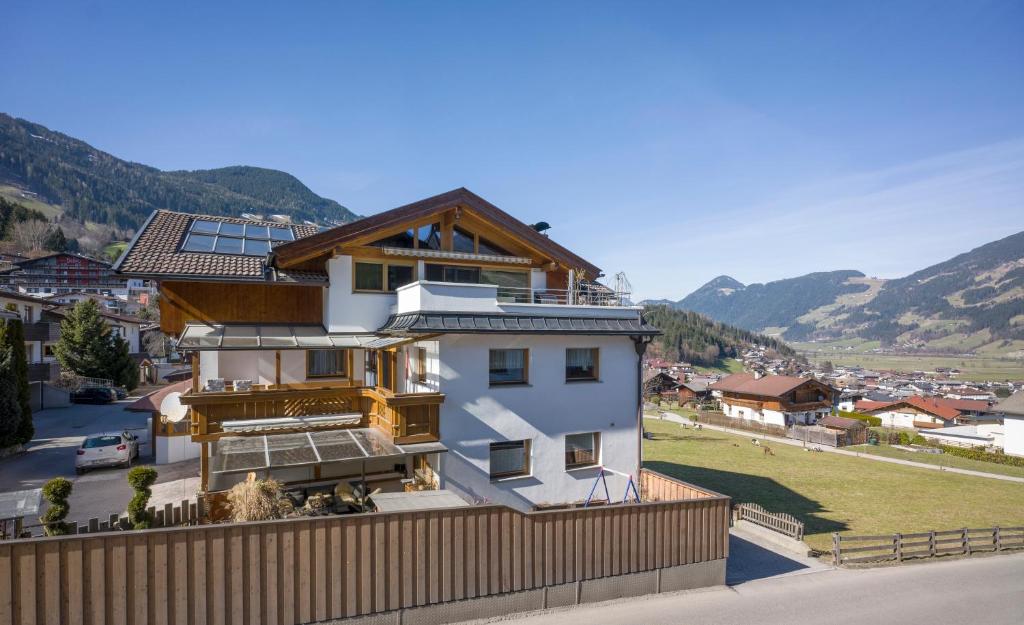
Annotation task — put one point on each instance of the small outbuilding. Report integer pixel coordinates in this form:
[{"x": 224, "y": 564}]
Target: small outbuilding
[{"x": 850, "y": 431}]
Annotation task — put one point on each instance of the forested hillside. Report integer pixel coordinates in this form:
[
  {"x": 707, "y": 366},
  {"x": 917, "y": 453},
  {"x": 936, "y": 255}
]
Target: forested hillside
[
  {"x": 694, "y": 338},
  {"x": 773, "y": 304},
  {"x": 91, "y": 185}
]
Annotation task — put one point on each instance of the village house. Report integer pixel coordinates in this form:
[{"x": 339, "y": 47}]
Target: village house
[
  {"x": 1012, "y": 411},
  {"x": 915, "y": 413},
  {"x": 774, "y": 399},
  {"x": 442, "y": 344},
  {"x": 64, "y": 272}
]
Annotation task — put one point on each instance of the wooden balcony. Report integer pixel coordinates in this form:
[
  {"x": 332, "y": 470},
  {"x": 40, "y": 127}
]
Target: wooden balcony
[{"x": 407, "y": 417}]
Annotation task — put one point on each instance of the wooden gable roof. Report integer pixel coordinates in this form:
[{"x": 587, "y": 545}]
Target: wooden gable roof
[{"x": 365, "y": 230}]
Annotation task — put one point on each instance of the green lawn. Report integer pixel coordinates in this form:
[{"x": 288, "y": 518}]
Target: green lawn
[
  {"x": 830, "y": 492},
  {"x": 724, "y": 365},
  {"x": 944, "y": 460}
]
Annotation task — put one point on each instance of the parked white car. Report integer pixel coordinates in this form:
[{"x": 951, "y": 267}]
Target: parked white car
[{"x": 106, "y": 449}]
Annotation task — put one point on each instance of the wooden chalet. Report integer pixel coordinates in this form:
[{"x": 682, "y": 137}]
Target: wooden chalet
[{"x": 774, "y": 399}]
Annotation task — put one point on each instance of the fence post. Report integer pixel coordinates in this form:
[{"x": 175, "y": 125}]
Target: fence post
[
  {"x": 997, "y": 538},
  {"x": 967, "y": 543},
  {"x": 898, "y": 540},
  {"x": 837, "y": 556},
  {"x": 931, "y": 543}
]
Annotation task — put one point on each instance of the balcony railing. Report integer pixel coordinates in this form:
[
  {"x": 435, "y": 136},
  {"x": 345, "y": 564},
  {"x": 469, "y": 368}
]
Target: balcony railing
[
  {"x": 45, "y": 331},
  {"x": 488, "y": 298},
  {"x": 563, "y": 297},
  {"x": 406, "y": 417}
]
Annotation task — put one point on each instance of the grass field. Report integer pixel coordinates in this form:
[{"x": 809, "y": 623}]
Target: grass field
[
  {"x": 942, "y": 460},
  {"x": 974, "y": 368},
  {"x": 831, "y": 492},
  {"x": 115, "y": 249},
  {"x": 724, "y": 365},
  {"x": 17, "y": 195}
]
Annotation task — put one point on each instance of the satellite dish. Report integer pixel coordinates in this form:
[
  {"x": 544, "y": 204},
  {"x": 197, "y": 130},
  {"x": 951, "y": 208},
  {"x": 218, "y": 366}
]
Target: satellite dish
[{"x": 172, "y": 408}]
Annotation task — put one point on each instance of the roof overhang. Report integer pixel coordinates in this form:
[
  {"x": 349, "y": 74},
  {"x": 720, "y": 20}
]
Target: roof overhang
[
  {"x": 505, "y": 323},
  {"x": 247, "y": 337}
]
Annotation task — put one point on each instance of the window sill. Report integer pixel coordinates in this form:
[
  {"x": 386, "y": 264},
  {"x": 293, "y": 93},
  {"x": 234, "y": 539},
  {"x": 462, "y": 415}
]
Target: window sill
[
  {"x": 581, "y": 381},
  {"x": 509, "y": 385},
  {"x": 511, "y": 478},
  {"x": 582, "y": 468}
]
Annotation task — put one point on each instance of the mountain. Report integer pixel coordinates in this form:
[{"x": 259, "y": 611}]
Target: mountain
[
  {"x": 694, "y": 338},
  {"x": 773, "y": 304},
  {"x": 972, "y": 302},
  {"x": 89, "y": 185}
]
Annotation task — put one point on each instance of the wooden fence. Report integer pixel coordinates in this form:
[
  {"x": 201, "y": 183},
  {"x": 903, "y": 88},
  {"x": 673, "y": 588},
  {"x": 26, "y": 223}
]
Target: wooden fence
[
  {"x": 747, "y": 425},
  {"x": 900, "y": 547},
  {"x": 815, "y": 435},
  {"x": 311, "y": 569},
  {"x": 779, "y": 521}
]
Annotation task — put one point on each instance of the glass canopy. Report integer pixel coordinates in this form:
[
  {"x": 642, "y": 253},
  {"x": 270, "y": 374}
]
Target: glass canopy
[
  {"x": 201, "y": 336},
  {"x": 255, "y": 453}
]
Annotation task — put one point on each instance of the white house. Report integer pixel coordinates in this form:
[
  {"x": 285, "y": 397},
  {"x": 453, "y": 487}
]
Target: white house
[
  {"x": 1012, "y": 409},
  {"x": 483, "y": 351},
  {"x": 773, "y": 399},
  {"x": 916, "y": 413}
]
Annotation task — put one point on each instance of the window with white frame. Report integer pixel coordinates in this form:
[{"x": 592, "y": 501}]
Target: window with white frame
[{"x": 510, "y": 459}]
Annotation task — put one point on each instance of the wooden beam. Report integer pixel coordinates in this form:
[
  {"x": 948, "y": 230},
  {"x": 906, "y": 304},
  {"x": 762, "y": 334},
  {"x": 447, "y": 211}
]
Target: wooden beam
[
  {"x": 277, "y": 368},
  {"x": 195, "y": 372}
]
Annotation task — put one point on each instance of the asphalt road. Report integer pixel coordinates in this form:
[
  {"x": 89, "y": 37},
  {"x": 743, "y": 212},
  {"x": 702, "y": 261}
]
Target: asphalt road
[
  {"x": 987, "y": 590},
  {"x": 98, "y": 493}
]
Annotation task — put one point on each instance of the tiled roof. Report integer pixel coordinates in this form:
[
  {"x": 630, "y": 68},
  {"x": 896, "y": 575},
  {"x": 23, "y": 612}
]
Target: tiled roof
[
  {"x": 769, "y": 385},
  {"x": 155, "y": 251},
  {"x": 482, "y": 323},
  {"x": 840, "y": 423},
  {"x": 933, "y": 406}
]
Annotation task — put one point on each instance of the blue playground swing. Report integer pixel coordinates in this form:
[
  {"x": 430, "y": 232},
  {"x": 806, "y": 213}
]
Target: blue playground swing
[{"x": 630, "y": 486}]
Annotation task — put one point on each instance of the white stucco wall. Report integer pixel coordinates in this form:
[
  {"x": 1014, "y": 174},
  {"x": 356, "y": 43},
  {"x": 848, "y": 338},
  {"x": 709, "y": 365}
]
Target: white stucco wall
[
  {"x": 1013, "y": 435},
  {"x": 260, "y": 366},
  {"x": 345, "y": 311},
  {"x": 475, "y": 415}
]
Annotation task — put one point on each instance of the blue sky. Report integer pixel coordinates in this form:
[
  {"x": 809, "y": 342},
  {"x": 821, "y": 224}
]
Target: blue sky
[{"x": 673, "y": 141}]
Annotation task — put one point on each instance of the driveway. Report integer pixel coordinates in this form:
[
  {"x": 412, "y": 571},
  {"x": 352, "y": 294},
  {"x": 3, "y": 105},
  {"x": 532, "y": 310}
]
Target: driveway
[
  {"x": 987, "y": 590},
  {"x": 59, "y": 431}
]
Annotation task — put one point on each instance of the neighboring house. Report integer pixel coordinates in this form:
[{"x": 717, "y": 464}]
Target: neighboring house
[
  {"x": 40, "y": 334},
  {"x": 442, "y": 342},
  {"x": 694, "y": 391},
  {"x": 1012, "y": 411},
  {"x": 172, "y": 441},
  {"x": 658, "y": 382},
  {"x": 64, "y": 272},
  {"x": 125, "y": 326},
  {"x": 773, "y": 399},
  {"x": 916, "y": 413},
  {"x": 848, "y": 400}
]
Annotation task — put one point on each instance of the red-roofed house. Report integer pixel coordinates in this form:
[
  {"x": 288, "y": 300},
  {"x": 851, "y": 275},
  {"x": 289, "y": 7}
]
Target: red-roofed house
[
  {"x": 916, "y": 412},
  {"x": 773, "y": 399}
]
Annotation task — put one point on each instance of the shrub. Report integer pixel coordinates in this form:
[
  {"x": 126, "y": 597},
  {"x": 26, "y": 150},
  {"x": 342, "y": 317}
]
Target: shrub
[
  {"x": 56, "y": 493},
  {"x": 254, "y": 500},
  {"x": 866, "y": 418},
  {"x": 984, "y": 456},
  {"x": 140, "y": 479}
]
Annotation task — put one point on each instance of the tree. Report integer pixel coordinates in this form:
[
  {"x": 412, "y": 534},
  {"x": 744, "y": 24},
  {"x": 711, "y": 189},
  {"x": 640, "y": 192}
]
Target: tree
[
  {"x": 56, "y": 492},
  {"x": 85, "y": 345},
  {"x": 123, "y": 369},
  {"x": 140, "y": 479},
  {"x": 55, "y": 240},
  {"x": 155, "y": 343},
  {"x": 30, "y": 235},
  {"x": 827, "y": 366},
  {"x": 14, "y": 375}
]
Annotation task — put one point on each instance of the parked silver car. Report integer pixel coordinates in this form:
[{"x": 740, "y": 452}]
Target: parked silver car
[{"x": 106, "y": 449}]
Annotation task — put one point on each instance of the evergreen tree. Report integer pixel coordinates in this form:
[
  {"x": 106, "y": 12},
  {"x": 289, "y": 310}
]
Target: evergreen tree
[
  {"x": 123, "y": 369},
  {"x": 10, "y": 412},
  {"x": 56, "y": 241},
  {"x": 15, "y": 374},
  {"x": 85, "y": 345}
]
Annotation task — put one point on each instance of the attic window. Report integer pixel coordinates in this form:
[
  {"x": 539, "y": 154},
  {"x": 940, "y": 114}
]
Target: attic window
[{"x": 222, "y": 237}]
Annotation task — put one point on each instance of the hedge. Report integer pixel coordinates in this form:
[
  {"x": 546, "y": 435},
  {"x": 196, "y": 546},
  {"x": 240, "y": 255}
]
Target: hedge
[
  {"x": 870, "y": 420},
  {"x": 984, "y": 456}
]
